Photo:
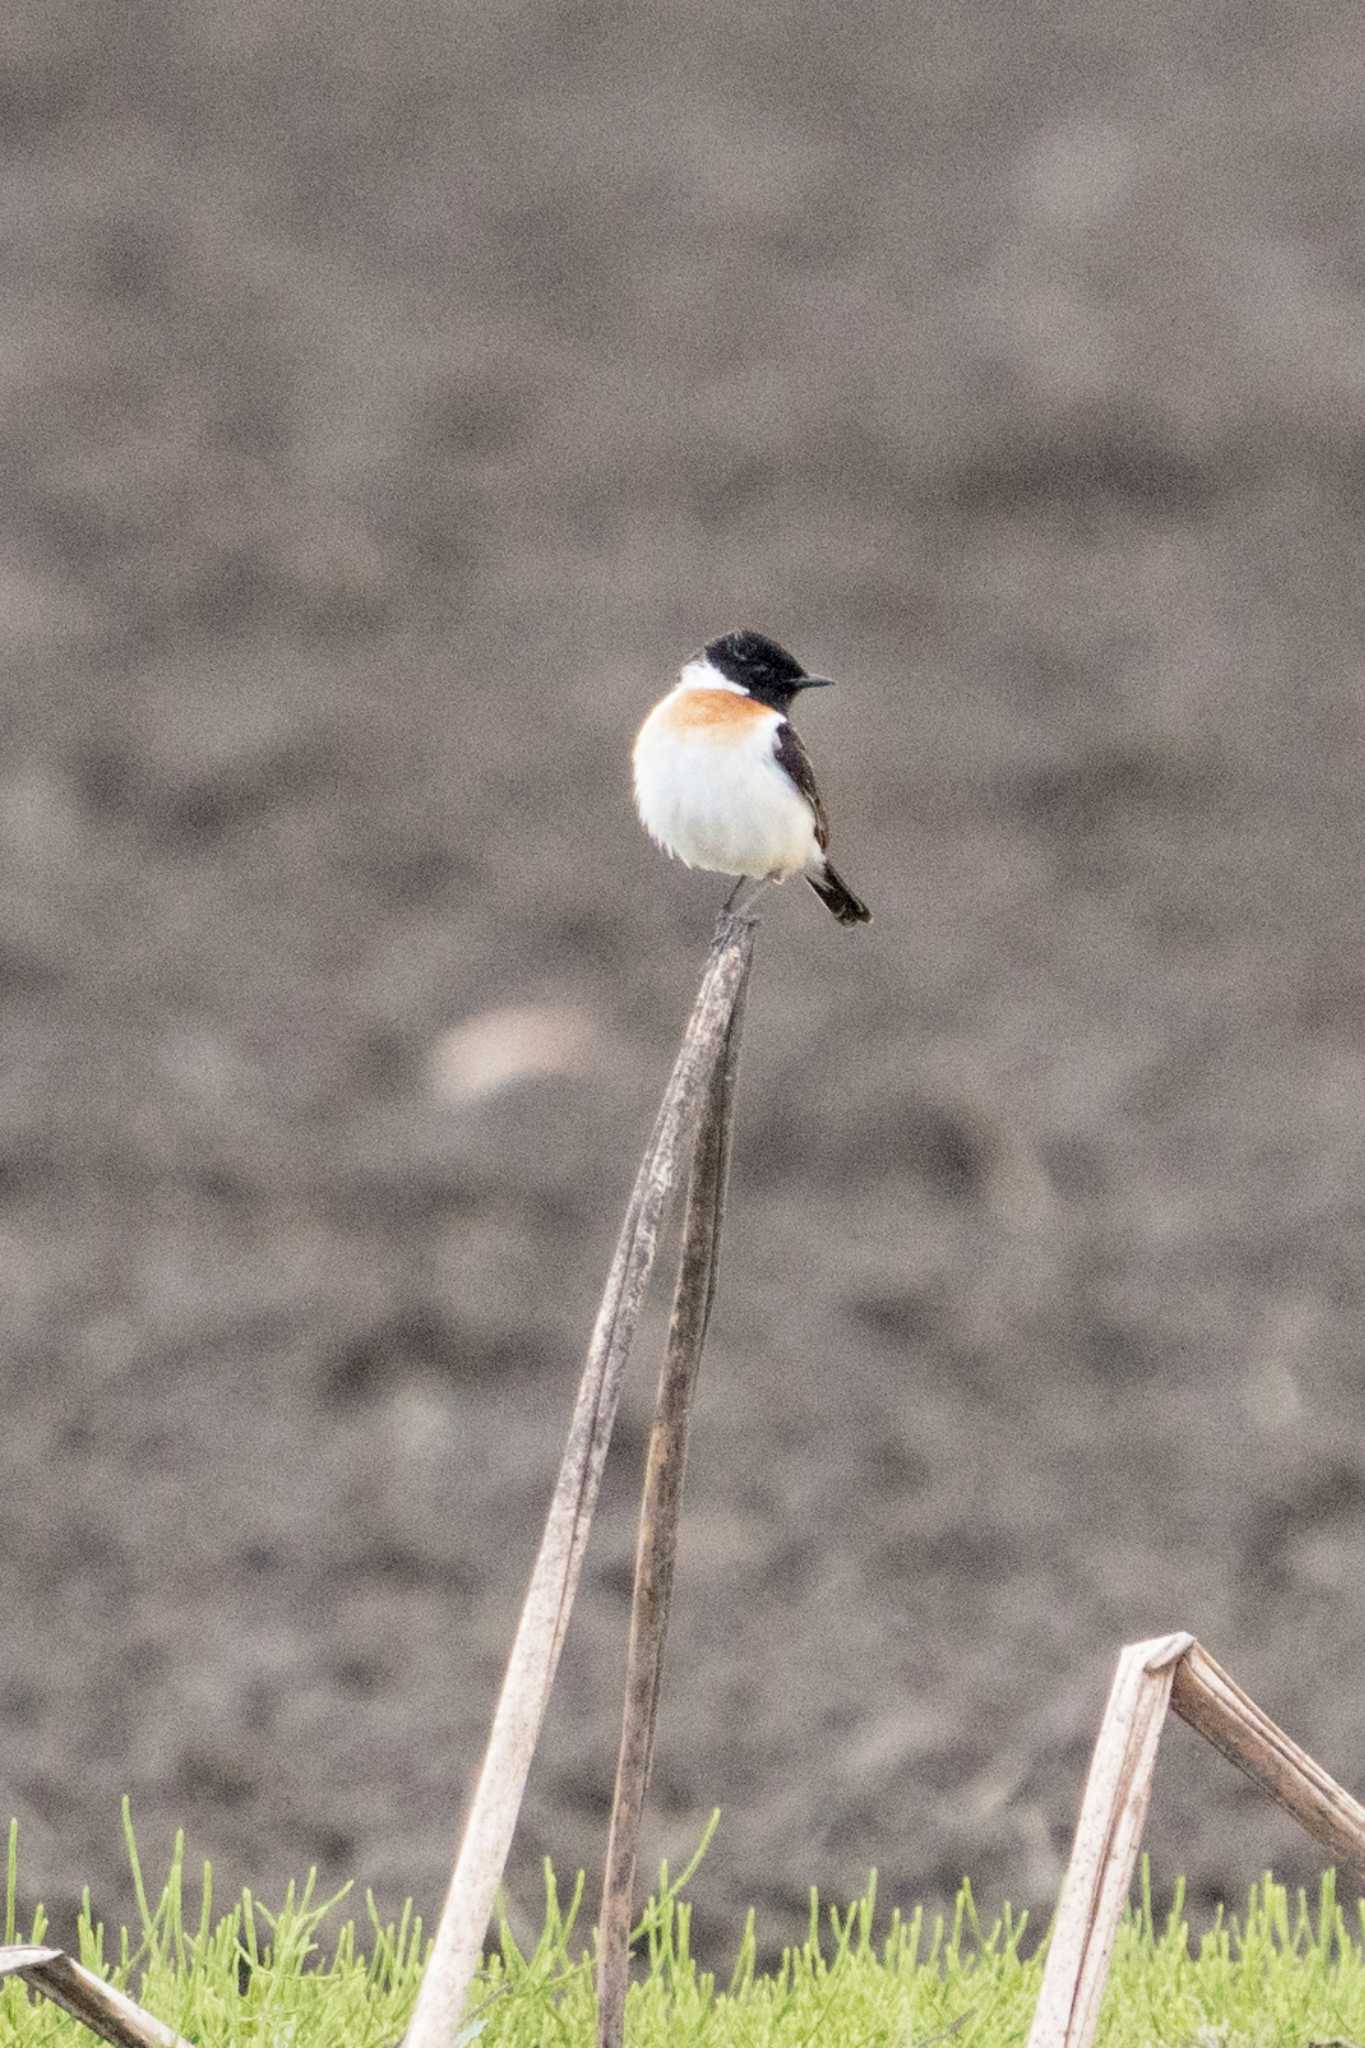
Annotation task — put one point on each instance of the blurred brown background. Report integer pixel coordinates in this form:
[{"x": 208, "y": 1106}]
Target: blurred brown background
[{"x": 392, "y": 398}]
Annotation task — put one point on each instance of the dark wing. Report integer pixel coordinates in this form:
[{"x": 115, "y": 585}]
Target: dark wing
[{"x": 792, "y": 756}]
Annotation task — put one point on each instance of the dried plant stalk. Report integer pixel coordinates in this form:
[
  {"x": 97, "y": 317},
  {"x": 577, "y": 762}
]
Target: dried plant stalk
[
  {"x": 487, "y": 1838},
  {"x": 1170, "y": 1671},
  {"x": 109, "y": 2013},
  {"x": 1113, "y": 1808},
  {"x": 660, "y": 1509},
  {"x": 1205, "y": 1696}
]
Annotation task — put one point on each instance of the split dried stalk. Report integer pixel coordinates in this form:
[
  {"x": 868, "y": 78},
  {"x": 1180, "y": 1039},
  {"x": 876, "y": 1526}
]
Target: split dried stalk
[
  {"x": 1108, "y": 1834},
  {"x": 660, "y": 1510},
  {"x": 1213, "y": 1703},
  {"x": 463, "y": 1924},
  {"x": 109, "y": 2013}
]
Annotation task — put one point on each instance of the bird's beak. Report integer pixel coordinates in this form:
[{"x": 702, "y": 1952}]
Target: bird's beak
[{"x": 816, "y": 683}]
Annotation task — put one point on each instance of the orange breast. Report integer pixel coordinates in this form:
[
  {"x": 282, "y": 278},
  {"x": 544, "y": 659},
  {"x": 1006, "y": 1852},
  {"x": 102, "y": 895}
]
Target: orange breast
[{"x": 718, "y": 711}]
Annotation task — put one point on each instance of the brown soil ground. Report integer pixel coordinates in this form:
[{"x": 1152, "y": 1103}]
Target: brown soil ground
[{"x": 392, "y": 397}]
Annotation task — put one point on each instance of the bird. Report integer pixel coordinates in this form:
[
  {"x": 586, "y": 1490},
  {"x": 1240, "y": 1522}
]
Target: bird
[{"x": 722, "y": 780}]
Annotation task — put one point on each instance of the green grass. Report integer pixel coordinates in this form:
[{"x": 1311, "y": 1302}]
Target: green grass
[{"x": 1283, "y": 1974}]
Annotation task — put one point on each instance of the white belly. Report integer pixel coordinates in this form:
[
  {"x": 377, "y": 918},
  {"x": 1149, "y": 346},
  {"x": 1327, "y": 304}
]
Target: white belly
[{"x": 722, "y": 804}]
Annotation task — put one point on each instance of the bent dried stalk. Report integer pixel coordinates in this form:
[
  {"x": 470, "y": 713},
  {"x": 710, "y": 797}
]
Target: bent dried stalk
[
  {"x": 1104, "y": 1852},
  {"x": 1169, "y": 1671},
  {"x": 109, "y": 2013},
  {"x": 1212, "y": 1703},
  {"x": 458, "y": 1944}
]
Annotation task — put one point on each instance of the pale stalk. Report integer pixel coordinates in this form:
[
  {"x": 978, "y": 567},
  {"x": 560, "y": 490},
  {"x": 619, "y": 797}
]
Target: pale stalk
[
  {"x": 660, "y": 1510},
  {"x": 458, "y": 1944}
]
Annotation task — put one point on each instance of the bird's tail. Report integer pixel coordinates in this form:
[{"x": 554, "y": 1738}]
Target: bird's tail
[{"x": 833, "y": 891}]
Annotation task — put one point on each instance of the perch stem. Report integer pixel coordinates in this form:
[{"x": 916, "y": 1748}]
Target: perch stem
[
  {"x": 458, "y": 1943},
  {"x": 660, "y": 1509}
]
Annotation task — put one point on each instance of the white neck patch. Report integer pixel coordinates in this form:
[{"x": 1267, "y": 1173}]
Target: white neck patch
[{"x": 698, "y": 674}]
